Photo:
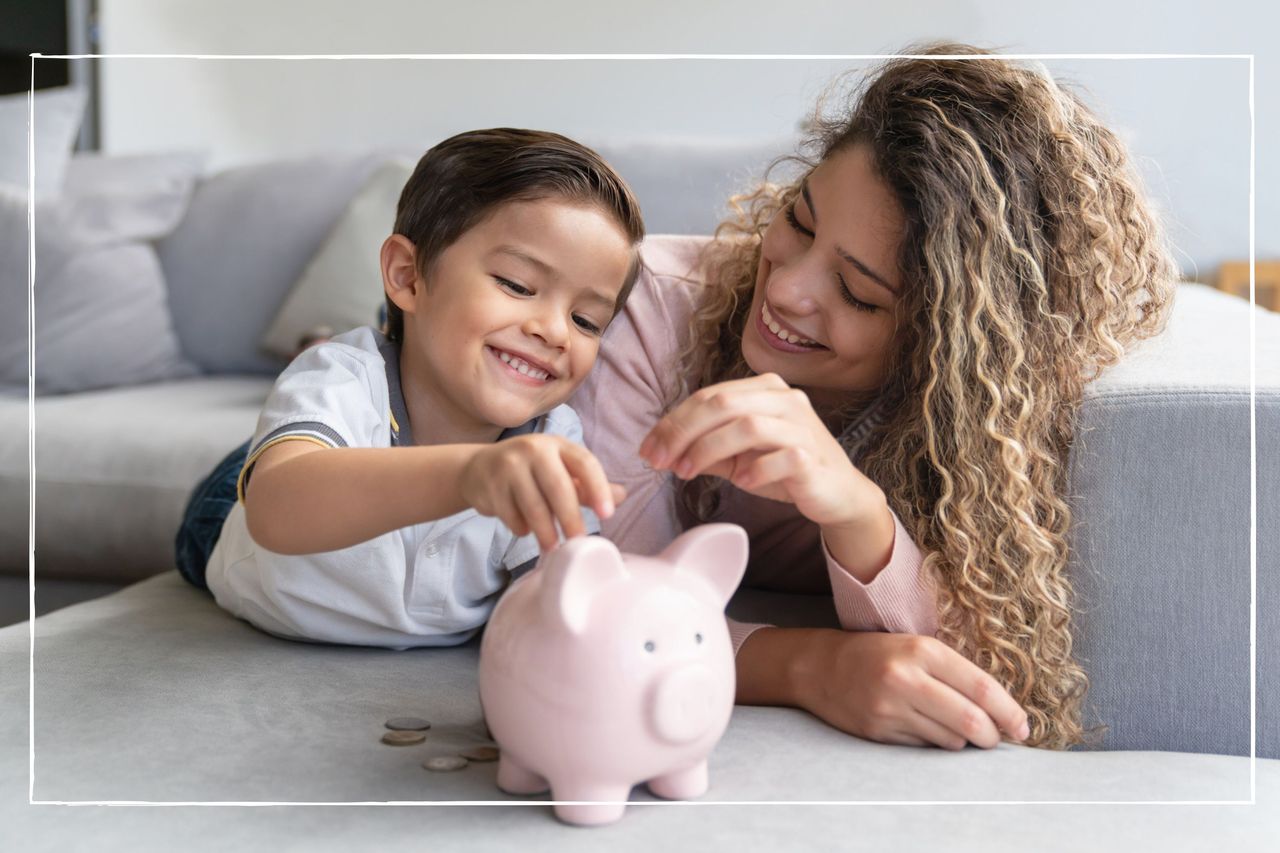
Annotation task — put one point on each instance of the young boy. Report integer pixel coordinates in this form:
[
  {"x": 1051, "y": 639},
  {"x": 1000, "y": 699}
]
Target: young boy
[{"x": 396, "y": 482}]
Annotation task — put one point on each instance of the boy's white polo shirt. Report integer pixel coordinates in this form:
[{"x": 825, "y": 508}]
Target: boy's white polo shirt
[{"x": 430, "y": 584}]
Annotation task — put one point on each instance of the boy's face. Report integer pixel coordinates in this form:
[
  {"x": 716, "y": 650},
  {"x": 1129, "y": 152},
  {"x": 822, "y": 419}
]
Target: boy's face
[{"x": 509, "y": 321}]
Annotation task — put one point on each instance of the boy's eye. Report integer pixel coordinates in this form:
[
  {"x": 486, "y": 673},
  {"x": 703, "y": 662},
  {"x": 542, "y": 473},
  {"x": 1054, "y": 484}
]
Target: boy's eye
[
  {"x": 586, "y": 325},
  {"x": 518, "y": 289}
]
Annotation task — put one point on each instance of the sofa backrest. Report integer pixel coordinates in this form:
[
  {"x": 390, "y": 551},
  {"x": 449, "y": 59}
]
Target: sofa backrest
[{"x": 250, "y": 231}]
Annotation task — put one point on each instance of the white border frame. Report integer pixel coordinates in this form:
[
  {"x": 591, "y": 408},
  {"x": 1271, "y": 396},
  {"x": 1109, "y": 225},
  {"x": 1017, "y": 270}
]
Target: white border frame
[{"x": 31, "y": 413}]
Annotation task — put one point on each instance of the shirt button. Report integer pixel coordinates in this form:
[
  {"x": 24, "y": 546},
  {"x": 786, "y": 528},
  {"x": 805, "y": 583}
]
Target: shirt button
[{"x": 432, "y": 549}]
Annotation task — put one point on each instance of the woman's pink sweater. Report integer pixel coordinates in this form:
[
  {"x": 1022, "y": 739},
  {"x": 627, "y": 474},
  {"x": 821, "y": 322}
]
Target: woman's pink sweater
[{"x": 627, "y": 393}]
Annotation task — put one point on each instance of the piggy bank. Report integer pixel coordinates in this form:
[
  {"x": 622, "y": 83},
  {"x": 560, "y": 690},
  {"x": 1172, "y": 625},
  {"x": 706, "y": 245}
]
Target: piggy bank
[{"x": 600, "y": 670}]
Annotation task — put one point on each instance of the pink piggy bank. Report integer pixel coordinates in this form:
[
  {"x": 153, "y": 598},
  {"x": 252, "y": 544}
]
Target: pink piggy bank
[{"x": 599, "y": 671}]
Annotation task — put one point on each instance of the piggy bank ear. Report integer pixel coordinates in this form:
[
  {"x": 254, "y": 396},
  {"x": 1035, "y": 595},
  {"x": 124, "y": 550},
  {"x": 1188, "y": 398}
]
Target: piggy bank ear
[
  {"x": 573, "y": 574},
  {"x": 716, "y": 552}
]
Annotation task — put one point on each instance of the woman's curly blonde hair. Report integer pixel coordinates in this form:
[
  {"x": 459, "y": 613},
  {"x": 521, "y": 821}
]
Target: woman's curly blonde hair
[{"x": 1029, "y": 263}]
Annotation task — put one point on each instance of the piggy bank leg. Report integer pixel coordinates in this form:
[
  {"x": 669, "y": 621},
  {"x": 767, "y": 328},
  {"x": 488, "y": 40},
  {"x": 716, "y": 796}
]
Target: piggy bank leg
[
  {"x": 682, "y": 784},
  {"x": 515, "y": 779},
  {"x": 610, "y": 806}
]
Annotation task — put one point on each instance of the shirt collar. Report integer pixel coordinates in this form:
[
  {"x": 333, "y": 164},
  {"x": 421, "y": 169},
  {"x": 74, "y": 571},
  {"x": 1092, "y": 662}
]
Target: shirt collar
[{"x": 401, "y": 430}]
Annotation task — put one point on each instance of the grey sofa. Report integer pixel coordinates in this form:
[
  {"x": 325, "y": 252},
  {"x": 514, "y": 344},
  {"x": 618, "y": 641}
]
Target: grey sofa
[{"x": 154, "y": 694}]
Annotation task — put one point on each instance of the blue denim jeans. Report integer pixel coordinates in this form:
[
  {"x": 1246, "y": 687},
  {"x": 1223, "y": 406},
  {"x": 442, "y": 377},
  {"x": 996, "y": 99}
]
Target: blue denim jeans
[{"x": 208, "y": 508}]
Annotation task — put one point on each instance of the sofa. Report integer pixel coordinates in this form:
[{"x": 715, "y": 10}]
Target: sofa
[{"x": 152, "y": 694}]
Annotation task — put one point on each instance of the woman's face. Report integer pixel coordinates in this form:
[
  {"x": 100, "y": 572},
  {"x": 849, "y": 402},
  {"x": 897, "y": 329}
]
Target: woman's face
[{"x": 822, "y": 313}]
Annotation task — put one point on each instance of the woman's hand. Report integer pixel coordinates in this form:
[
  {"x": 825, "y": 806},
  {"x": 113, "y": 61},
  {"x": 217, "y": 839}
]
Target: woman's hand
[
  {"x": 891, "y": 688},
  {"x": 764, "y": 437},
  {"x": 533, "y": 482}
]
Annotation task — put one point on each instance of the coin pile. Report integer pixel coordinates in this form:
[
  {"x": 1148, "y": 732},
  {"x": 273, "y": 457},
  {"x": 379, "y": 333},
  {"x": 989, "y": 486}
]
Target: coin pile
[{"x": 409, "y": 731}]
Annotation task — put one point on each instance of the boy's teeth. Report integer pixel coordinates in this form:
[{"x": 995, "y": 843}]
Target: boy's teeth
[{"x": 522, "y": 366}]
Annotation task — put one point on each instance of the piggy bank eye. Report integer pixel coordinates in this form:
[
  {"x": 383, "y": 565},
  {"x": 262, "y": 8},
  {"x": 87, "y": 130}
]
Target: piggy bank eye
[
  {"x": 649, "y": 646},
  {"x": 697, "y": 638}
]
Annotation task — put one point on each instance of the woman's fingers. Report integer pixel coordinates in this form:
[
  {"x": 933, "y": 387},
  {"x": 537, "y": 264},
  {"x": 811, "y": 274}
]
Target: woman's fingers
[
  {"x": 770, "y": 468},
  {"x": 751, "y": 432},
  {"x": 930, "y": 732},
  {"x": 979, "y": 690},
  {"x": 955, "y": 718},
  {"x": 712, "y": 407}
]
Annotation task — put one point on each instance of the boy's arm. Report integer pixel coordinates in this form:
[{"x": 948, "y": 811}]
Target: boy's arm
[{"x": 305, "y": 499}]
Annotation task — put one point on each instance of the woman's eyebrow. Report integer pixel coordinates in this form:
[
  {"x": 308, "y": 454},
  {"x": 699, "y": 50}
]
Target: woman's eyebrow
[
  {"x": 865, "y": 270},
  {"x": 844, "y": 255}
]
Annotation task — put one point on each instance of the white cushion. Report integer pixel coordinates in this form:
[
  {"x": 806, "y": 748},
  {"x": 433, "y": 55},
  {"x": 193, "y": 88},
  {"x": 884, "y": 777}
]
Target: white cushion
[
  {"x": 341, "y": 287},
  {"x": 57, "y": 116},
  {"x": 101, "y": 305}
]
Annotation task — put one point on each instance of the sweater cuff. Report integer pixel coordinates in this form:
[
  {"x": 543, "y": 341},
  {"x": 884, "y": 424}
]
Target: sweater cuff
[
  {"x": 899, "y": 599},
  {"x": 739, "y": 631}
]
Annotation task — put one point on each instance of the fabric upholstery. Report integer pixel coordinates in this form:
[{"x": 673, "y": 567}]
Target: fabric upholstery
[
  {"x": 114, "y": 469},
  {"x": 155, "y": 694},
  {"x": 342, "y": 285},
  {"x": 101, "y": 305},
  {"x": 1160, "y": 544},
  {"x": 58, "y": 112},
  {"x": 248, "y": 236}
]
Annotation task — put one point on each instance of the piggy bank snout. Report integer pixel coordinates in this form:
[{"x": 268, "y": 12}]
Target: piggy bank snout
[{"x": 685, "y": 703}]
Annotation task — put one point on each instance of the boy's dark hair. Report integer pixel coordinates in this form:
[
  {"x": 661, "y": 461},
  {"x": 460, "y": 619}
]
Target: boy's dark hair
[{"x": 458, "y": 182}]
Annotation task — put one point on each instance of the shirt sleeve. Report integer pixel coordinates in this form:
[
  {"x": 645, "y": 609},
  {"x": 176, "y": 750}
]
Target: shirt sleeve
[
  {"x": 325, "y": 396},
  {"x": 900, "y": 599}
]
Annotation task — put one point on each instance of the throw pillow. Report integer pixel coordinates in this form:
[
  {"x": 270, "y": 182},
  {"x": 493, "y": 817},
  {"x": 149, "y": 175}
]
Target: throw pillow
[
  {"x": 341, "y": 288},
  {"x": 101, "y": 306},
  {"x": 57, "y": 116}
]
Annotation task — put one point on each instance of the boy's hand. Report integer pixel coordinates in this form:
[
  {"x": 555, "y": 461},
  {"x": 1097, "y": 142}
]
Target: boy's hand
[{"x": 531, "y": 482}]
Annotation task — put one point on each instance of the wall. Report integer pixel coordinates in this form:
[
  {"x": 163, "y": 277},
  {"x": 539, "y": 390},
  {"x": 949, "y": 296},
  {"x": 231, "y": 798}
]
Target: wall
[{"x": 1187, "y": 120}]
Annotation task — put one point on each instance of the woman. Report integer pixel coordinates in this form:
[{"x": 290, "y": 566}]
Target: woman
[{"x": 886, "y": 357}]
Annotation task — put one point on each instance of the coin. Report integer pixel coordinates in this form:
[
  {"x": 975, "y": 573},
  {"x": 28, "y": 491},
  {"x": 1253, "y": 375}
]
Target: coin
[
  {"x": 408, "y": 724},
  {"x": 445, "y": 762},
  {"x": 403, "y": 738},
  {"x": 480, "y": 753}
]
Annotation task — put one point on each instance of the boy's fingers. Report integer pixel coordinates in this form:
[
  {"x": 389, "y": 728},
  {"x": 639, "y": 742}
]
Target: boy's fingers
[
  {"x": 558, "y": 491},
  {"x": 591, "y": 482},
  {"x": 533, "y": 507},
  {"x": 505, "y": 509},
  {"x": 619, "y": 493}
]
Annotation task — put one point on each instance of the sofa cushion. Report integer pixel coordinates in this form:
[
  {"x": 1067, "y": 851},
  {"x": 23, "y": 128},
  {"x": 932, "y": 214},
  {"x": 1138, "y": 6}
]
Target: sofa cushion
[
  {"x": 114, "y": 471},
  {"x": 101, "y": 305},
  {"x": 58, "y": 112},
  {"x": 244, "y": 242},
  {"x": 341, "y": 287}
]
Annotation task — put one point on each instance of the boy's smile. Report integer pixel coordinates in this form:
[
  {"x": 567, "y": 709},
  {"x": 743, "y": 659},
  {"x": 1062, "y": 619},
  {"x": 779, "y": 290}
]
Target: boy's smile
[
  {"x": 507, "y": 322},
  {"x": 524, "y": 367}
]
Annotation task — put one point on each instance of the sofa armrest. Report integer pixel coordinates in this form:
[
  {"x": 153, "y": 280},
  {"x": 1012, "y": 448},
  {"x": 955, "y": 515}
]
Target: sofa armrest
[{"x": 1160, "y": 495}]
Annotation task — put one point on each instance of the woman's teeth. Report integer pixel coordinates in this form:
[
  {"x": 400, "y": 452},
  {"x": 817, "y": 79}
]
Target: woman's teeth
[
  {"x": 781, "y": 332},
  {"x": 523, "y": 366}
]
